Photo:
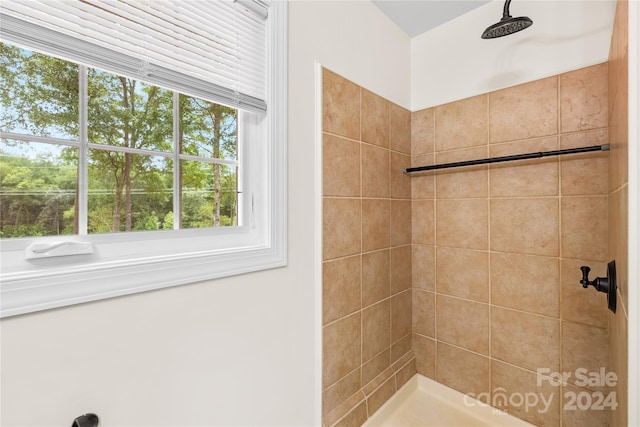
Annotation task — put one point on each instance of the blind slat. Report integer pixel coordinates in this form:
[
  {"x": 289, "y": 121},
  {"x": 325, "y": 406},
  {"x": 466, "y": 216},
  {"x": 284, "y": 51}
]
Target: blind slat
[{"x": 213, "y": 50}]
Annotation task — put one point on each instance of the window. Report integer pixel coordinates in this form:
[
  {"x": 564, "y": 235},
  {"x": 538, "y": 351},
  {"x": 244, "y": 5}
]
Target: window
[
  {"x": 157, "y": 159},
  {"x": 116, "y": 178}
]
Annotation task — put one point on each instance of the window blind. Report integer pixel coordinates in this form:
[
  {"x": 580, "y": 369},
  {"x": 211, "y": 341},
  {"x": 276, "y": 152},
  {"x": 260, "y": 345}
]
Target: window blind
[{"x": 214, "y": 50}]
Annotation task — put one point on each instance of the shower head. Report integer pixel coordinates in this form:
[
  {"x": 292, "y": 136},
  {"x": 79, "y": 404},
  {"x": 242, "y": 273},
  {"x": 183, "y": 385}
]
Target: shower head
[{"x": 507, "y": 25}]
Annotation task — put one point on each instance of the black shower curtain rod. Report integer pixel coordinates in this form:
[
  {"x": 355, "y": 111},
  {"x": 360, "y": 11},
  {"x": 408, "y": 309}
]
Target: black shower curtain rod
[{"x": 604, "y": 147}]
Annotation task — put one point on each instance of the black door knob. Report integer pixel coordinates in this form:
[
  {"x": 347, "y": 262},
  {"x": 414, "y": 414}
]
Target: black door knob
[{"x": 86, "y": 420}]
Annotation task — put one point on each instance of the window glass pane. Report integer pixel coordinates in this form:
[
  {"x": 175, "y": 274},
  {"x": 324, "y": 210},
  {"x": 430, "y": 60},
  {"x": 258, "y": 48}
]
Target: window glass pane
[
  {"x": 39, "y": 94},
  {"x": 127, "y": 113},
  {"x": 129, "y": 192},
  {"x": 209, "y": 195},
  {"x": 208, "y": 129},
  {"x": 37, "y": 189}
]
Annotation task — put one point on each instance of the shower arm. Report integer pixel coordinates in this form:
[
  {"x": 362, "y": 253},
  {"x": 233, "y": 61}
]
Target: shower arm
[{"x": 505, "y": 11}]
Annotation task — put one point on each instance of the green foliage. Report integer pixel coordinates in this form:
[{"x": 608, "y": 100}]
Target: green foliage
[
  {"x": 39, "y": 93},
  {"x": 149, "y": 222},
  {"x": 34, "y": 195},
  {"x": 167, "y": 222},
  {"x": 40, "y": 96}
]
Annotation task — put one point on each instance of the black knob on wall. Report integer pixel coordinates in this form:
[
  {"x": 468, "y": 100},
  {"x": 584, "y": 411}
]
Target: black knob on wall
[
  {"x": 603, "y": 284},
  {"x": 86, "y": 420}
]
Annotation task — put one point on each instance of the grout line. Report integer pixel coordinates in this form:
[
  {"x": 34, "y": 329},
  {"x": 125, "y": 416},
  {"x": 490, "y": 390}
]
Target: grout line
[
  {"x": 361, "y": 362},
  {"x": 489, "y": 174},
  {"x": 339, "y": 379},
  {"x": 435, "y": 248},
  {"x": 560, "y": 246}
]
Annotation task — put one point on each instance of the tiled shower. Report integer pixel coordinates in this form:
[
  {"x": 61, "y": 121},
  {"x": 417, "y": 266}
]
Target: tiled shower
[
  {"x": 504, "y": 297},
  {"x": 468, "y": 276},
  {"x": 367, "y": 281}
]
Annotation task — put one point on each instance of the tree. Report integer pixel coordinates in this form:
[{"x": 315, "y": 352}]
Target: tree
[
  {"x": 35, "y": 194},
  {"x": 129, "y": 114},
  {"x": 211, "y": 130}
]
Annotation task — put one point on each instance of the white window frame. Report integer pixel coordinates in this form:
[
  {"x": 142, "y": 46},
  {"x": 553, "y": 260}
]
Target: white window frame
[{"x": 128, "y": 263}]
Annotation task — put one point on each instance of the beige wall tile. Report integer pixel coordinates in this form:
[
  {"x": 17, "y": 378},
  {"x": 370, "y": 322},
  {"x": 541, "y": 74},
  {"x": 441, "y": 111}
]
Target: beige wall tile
[
  {"x": 400, "y": 348},
  {"x": 341, "y": 348},
  {"x": 584, "y": 347},
  {"x": 525, "y": 340},
  {"x": 355, "y": 418},
  {"x": 376, "y": 399},
  {"x": 619, "y": 141},
  {"x": 371, "y": 387},
  {"x": 585, "y": 227},
  {"x": 375, "y": 329},
  {"x": 423, "y": 267},
  {"x": 341, "y": 227},
  {"x": 340, "y": 166},
  {"x": 573, "y": 416},
  {"x": 423, "y": 131},
  {"x": 425, "y": 350},
  {"x": 583, "y": 305},
  {"x": 340, "y": 105},
  {"x": 405, "y": 373},
  {"x": 375, "y": 119},
  {"x": 525, "y": 111},
  {"x": 462, "y": 370},
  {"x": 400, "y": 269},
  {"x": 525, "y": 226},
  {"x": 400, "y": 223},
  {"x": 400, "y": 315},
  {"x": 525, "y": 282},
  {"x": 462, "y": 223},
  {"x": 375, "y": 366},
  {"x": 424, "y": 313},
  {"x": 462, "y": 124},
  {"x": 470, "y": 181},
  {"x": 583, "y": 98},
  {"x": 375, "y": 171},
  {"x": 340, "y": 288},
  {"x": 619, "y": 361},
  {"x": 375, "y": 224},
  {"x": 375, "y": 277},
  {"x": 462, "y": 323},
  {"x": 526, "y": 178},
  {"x": 400, "y": 129},
  {"x": 508, "y": 383},
  {"x": 402, "y": 361},
  {"x": 423, "y": 222},
  {"x": 399, "y": 181},
  {"x": 588, "y": 173},
  {"x": 340, "y": 392},
  {"x": 423, "y": 184},
  {"x": 463, "y": 273},
  {"x": 344, "y": 409}
]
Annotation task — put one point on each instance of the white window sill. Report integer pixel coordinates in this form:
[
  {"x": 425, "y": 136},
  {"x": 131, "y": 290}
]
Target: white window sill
[{"x": 61, "y": 281}]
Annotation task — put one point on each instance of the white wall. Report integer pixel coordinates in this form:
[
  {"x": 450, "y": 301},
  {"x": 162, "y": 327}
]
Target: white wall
[
  {"x": 452, "y": 62},
  {"x": 353, "y": 39},
  {"x": 237, "y": 351}
]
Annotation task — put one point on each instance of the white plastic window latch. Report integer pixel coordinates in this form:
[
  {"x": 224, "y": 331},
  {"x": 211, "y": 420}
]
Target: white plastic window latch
[{"x": 53, "y": 249}]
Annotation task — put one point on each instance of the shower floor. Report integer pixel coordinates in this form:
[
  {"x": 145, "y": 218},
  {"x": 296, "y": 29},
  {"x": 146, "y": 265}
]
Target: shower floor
[{"x": 425, "y": 403}]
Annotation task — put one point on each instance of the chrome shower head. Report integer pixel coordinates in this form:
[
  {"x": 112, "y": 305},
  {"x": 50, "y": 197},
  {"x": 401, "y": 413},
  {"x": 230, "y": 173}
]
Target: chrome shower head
[{"x": 507, "y": 25}]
